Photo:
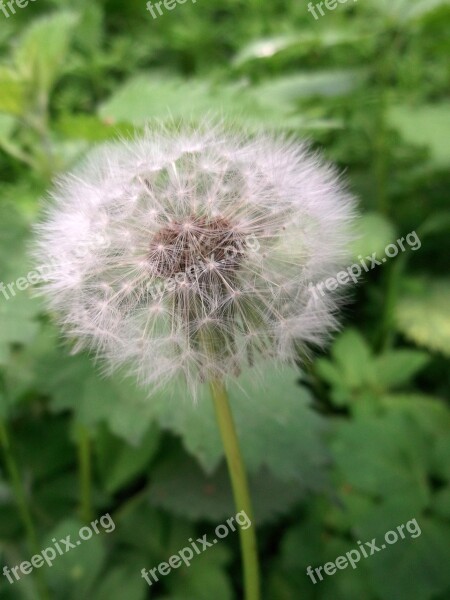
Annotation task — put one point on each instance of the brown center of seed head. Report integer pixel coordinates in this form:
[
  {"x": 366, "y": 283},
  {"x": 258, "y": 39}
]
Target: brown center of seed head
[{"x": 180, "y": 245}]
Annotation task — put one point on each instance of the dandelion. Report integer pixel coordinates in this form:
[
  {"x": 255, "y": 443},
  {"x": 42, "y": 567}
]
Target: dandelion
[{"x": 213, "y": 239}]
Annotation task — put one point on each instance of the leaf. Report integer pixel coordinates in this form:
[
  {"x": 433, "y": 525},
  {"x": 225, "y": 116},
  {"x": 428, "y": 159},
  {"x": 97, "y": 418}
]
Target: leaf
[
  {"x": 403, "y": 11},
  {"x": 18, "y": 324},
  {"x": 422, "y": 314},
  {"x": 12, "y": 92},
  {"x": 206, "y": 578},
  {"x": 354, "y": 360},
  {"x": 420, "y": 564},
  {"x": 73, "y": 573},
  {"x": 374, "y": 232},
  {"x": 182, "y": 488},
  {"x": 121, "y": 463},
  {"x": 42, "y": 50},
  {"x": 143, "y": 98},
  {"x": 266, "y": 48},
  {"x": 426, "y": 125},
  {"x": 384, "y": 457},
  {"x": 121, "y": 582},
  {"x": 398, "y": 367},
  {"x": 74, "y": 383},
  {"x": 275, "y": 423}
]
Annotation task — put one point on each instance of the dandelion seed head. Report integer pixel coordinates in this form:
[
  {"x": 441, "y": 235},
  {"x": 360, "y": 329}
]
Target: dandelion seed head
[{"x": 199, "y": 247}]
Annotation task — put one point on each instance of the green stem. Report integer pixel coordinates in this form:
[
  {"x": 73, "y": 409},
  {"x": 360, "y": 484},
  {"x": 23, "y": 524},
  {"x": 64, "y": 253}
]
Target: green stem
[
  {"x": 240, "y": 488},
  {"x": 21, "y": 501},
  {"x": 85, "y": 468}
]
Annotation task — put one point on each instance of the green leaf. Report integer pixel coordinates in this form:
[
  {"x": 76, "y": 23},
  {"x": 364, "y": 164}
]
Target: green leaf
[
  {"x": 182, "y": 488},
  {"x": 12, "y": 92},
  {"x": 423, "y": 314},
  {"x": 18, "y": 324},
  {"x": 354, "y": 359},
  {"x": 275, "y": 422},
  {"x": 427, "y": 126},
  {"x": 206, "y": 578},
  {"x": 142, "y": 98},
  {"x": 122, "y": 582},
  {"x": 374, "y": 232},
  {"x": 403, "y": 11},
  {"x": 121, "y": 463},
  {"x": 421, "y": 564},
  {"x": 74, "y": 572},
  {"x": 384, "y": 457},
  {"x": 75, "y": 383},
  {"x": 42, "y": 50},
  {"x": 398, "y": 367}
]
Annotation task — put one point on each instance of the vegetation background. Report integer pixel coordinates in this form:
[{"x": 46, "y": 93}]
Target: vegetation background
[{"x": 353, "y": 447}]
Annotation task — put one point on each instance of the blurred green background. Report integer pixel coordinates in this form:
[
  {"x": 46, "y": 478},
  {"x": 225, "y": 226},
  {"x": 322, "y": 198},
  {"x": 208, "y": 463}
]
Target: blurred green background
[{"x": 351, "y": 448}]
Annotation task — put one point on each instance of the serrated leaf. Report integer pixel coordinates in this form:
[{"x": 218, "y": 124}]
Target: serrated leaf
[
  {"x": 384, "y": 456},
  {"x": 276, "y": 425},
  {"x": 74, "y": 383},
  {"x": 182, "y": 488},
  {"x": 423, "y": 314},
  {"x": 353, "y": 357},
  {"x": 398, "y": 367}
]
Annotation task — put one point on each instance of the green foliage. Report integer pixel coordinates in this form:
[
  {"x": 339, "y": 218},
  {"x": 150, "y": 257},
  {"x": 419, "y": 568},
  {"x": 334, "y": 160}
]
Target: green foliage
[{"x": 351, "y": 447}]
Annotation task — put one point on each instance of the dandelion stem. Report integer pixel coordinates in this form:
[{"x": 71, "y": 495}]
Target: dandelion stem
[
  {"x": 21, "y": 501},
  {"x": 85, "y": 468},
  {"x": 240, "y": 488}
]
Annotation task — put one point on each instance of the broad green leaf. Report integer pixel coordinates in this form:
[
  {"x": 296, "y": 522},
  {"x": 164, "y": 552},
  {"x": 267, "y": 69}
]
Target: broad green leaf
[
  {"x": 143, "y": 98},
  {"x": 276, "y": 425},
  {"x": 422, "y": 314},
  {"x": 42, "y": 50},
  {"x": 421, "y": 563},
  {"x": 122, "y": 582},
  {"x": 182, "y": 488},
  {"x": 121, "y": 463},
  {"x": 384, "y": 457},
  {"x": 398, "y": 367},
  {"x": 75, "y": 383},
  {"x": 426, "y": 125},
  {"x": 74, "y": 572}
]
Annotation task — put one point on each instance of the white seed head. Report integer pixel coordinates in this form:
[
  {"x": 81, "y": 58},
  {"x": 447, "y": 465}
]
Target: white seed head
[{"x": 191, "y": 251}]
